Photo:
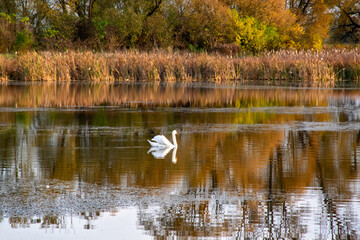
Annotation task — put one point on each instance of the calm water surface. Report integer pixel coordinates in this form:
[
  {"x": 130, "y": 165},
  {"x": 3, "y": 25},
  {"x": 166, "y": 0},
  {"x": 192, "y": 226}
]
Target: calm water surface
[{"x": 251, "y": 162}]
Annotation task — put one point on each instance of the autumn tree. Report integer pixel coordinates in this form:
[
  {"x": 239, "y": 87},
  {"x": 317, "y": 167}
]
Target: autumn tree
[
  {"x": 347, "y": 21},
  {"x": 252, "y": 25},
  {"x": 274, "y": 15},
  {"x": 315, "y": 16}
]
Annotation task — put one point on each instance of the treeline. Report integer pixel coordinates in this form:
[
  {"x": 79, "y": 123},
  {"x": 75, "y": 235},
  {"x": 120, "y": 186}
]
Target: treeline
[{"x": 230, "y": 26}]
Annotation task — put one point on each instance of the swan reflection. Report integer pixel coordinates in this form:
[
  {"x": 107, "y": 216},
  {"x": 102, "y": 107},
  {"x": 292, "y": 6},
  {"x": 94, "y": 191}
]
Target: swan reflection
[{"x": 160, "y": 152}]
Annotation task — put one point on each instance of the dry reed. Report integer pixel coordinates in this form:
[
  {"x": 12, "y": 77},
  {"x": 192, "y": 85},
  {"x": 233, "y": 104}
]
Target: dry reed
[{"x": 314, "y": 68}]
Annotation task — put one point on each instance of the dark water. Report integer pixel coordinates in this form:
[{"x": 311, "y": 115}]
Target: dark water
[{"x": 251, "y": 162}]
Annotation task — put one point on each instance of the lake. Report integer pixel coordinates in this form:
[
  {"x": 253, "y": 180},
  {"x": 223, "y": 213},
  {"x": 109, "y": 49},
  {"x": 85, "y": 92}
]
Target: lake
[{"x": 251, "y": 162}]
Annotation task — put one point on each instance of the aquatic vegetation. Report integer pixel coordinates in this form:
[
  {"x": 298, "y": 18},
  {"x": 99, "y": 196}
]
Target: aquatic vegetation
[{"x": 319, "y": 68}]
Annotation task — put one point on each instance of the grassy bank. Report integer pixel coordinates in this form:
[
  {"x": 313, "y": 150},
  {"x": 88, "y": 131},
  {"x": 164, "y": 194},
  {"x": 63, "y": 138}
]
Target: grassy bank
[{"x": 312, "y": 68}]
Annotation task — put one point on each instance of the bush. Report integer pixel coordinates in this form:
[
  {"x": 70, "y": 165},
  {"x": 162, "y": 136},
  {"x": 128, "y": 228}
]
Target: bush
[
  {"x": 23, "y": 41},
  {"x": 254, "y": 36},
  {"x": 124, "y": 27},
  {"x": 60, "y": 33}
]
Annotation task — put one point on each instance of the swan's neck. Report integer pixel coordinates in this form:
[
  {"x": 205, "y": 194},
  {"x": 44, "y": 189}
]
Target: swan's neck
[{"x": 174, "y": 139}]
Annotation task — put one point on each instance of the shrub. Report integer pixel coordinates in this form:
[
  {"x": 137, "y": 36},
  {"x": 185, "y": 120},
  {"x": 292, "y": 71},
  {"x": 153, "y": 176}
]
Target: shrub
[
  {"x": 7, "y": 32},
  {"x": 254, "y": 36},
  {"x": 23, "y": 41}
]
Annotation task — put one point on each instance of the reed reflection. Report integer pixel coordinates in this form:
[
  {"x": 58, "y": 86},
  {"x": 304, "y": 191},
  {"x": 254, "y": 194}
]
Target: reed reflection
[{"x": 168, "y": 95}]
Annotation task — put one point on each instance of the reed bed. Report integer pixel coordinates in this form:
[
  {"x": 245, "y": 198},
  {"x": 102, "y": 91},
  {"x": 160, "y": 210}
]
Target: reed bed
[{"x": 314, "y": 68}]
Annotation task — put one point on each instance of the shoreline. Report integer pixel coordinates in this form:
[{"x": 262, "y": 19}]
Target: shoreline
[{"x": 235, "y": 84}]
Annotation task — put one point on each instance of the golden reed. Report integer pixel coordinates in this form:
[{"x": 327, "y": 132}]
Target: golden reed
[{"x": 315, "y": 68}]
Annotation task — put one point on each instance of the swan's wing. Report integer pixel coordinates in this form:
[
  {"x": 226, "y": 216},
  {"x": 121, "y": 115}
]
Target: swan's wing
[
  {"x": 157, "y": 145},
  {"x": 161, "y": 139}
]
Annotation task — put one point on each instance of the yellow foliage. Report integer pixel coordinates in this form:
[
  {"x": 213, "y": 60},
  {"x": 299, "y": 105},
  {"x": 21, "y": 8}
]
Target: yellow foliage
[
  {"x": 272, "y": 13},
  {"x": 315, "y": 18}
]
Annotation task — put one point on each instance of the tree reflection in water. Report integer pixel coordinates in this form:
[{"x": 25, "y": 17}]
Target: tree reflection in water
[{"x": 252, "y": 172}]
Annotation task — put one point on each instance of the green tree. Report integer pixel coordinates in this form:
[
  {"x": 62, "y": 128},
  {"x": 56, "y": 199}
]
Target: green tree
[
  {"x": 15, "y": 34},
  {"x": 200, "y": 23},
  {"x": 156, "y": 32},
  {"x": 124, "y": 27}
]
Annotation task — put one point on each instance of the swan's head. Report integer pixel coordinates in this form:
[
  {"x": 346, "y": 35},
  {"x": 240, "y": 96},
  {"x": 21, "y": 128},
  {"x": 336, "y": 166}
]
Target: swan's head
[{"x": 175, "y": 132}]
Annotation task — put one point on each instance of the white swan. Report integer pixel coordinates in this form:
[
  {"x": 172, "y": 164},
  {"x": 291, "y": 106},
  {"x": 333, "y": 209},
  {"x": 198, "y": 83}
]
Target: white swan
[{"x": 161, "y": 141}]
